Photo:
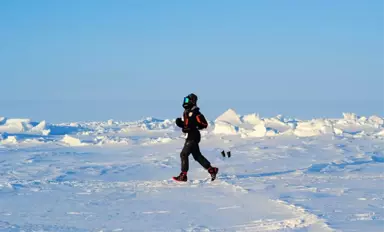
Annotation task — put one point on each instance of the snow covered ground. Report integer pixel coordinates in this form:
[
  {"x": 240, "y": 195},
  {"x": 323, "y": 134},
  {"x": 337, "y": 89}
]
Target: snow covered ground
[{"x": 284, "y": 175}]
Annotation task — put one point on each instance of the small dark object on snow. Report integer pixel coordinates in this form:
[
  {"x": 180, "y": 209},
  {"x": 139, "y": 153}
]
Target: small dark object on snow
[{"x": 228, "y": 154}]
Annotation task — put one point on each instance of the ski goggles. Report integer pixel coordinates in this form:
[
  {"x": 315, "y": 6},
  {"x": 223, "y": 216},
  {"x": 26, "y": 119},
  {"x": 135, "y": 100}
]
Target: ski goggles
[{"x": 186, "y": 100}]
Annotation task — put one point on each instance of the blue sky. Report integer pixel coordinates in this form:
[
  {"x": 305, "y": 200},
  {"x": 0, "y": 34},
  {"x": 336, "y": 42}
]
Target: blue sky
[{"x": 95, "y": 60}]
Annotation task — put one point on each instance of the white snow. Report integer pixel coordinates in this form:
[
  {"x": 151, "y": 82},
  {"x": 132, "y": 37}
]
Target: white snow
[
  {"x": 71, "y": 141},
  {"x": 23, "y": 126},
  {"x": 284, "y": 174},
  {"x": 9, "y": 140},
  {"x": 222, "y": 127},
  {"x": 313, "y": 128},
  {"x": 252, "y": 119},
  {"x": 230, "y": 116}
]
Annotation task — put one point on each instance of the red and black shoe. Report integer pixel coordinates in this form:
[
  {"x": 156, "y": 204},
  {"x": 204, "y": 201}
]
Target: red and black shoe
[
  {"x": 182, "y": 177},
  {"x": 213, "y": 171}
]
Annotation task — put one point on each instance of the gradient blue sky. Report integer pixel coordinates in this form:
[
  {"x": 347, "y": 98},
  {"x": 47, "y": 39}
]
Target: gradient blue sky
[{"x": 94, "y": 60}]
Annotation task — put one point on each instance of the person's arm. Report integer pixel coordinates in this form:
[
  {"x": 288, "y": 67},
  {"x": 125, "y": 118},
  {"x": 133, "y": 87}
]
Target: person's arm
[{"x": 201, "y": 121}]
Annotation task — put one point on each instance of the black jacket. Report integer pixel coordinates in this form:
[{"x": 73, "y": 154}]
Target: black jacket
[{"x": 193, "y": 121}]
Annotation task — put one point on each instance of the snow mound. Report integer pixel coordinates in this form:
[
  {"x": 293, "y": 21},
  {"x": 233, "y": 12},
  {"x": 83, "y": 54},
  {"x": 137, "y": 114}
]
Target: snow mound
[
  {"x": 252, "y": 119},
  {"x": 15, "y": 125},
  {"x": 148, "y": 124},
  {"x": 222, "y": 127},
  {"x": 350, "y": 117},
  {"x": 159, "y": 140},
  {"x": 109, "y": 140},
  {"x": 376, "y": 120},
  {"x": 230, "y": 116},
  {"x": 353, "y": 119},
  {"x": 258, "y": 130},
  {"x": 154, "y": 124},
  {"x": 10, "y": 140},
  {"x": 251, "y": 125},
  {"x": 20, "y": 125},
  {"x": 71, "y": 141},
  {"x": 313, "y": 128},
  {"x": 228, "y": 123},
  {"x": 278, "y": 125},
  {"x": 41, "y": 128}
]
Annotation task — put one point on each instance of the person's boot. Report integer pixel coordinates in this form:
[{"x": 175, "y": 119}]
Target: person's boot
[
  {"x": 213, "y": 171},
  {"x": 182, "y": 177}
]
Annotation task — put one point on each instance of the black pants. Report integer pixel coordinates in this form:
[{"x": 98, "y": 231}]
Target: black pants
[{"x": 191, "y": 146}]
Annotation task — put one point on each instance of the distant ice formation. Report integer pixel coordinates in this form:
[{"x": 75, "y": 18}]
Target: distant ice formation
[{"x": 15, "y": 131}]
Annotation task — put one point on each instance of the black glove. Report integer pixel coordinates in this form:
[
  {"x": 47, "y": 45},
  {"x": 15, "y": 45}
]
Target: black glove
[{"x": 179, "y": 122}]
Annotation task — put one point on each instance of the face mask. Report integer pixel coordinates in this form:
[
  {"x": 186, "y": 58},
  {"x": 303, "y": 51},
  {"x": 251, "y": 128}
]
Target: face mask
[{"x": 187, "y": 103}]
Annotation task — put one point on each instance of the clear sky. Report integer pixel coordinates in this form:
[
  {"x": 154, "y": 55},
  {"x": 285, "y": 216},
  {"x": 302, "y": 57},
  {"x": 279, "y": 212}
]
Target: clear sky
[{"x": 95, "y": 60}]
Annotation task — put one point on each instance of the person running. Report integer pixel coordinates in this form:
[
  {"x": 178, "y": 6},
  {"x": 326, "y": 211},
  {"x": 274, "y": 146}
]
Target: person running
[{"x": 193, "y": 121}]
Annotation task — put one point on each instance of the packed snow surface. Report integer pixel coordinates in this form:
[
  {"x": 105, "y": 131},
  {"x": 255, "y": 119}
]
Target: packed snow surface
[{"x": 284, "y": 174}]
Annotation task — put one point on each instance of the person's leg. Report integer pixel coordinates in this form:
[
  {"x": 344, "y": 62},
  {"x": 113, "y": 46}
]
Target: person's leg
[
  {"x": 184, "y": 156},
  {"x": 196, "y": 153},
  {"x": 203, "y": 161},
  {"x": 187, "y": 149}
]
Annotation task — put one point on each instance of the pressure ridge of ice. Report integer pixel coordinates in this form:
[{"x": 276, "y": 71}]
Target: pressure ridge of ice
[{"x": 15, "y": 131}]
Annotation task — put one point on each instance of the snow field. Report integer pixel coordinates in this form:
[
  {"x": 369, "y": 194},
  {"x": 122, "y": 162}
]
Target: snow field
[{"x": 284, "y": 174}]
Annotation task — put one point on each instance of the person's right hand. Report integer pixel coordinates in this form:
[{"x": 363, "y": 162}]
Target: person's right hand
[{"x": 179, "y": 122}]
